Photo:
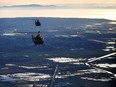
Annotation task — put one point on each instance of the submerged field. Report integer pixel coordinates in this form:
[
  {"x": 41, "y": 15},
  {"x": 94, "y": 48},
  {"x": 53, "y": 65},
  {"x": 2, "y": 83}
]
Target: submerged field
[{"x": 75, "y": 53}]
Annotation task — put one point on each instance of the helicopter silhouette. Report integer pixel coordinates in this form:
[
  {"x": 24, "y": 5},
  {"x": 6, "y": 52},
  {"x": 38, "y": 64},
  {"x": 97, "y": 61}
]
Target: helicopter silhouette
[
  {"x": 37, "y": 23},
  {"x": 37, "y": 39}
]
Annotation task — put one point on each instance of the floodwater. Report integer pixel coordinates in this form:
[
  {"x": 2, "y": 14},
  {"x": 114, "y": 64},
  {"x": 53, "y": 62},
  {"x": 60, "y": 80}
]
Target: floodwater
[{"x": 80, "y": 53}]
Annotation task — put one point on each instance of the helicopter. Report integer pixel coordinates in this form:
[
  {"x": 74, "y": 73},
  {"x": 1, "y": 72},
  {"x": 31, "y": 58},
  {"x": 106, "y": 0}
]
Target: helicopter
[
  {"x": 37, "y": 23},
  {"x": 37, "y": 39}
]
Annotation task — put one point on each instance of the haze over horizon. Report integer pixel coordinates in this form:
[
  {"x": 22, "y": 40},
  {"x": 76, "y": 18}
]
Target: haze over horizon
[{"x": 60, "y": 8}]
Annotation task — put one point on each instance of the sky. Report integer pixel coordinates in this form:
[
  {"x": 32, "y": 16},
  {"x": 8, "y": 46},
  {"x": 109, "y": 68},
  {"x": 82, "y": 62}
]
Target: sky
[
  {"x": 53, "y": 2},
  {"x": 105, "y": 8}
]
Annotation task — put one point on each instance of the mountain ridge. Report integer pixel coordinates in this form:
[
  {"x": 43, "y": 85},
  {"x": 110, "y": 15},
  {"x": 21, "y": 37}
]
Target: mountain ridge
[{"x": 69, "y": 6}]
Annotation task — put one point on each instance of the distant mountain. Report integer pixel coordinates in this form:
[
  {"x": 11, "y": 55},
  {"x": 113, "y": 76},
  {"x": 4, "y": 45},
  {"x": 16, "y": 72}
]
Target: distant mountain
[
  {"x": 65, "y": 6},
  {"x": 30, "y": 6}
]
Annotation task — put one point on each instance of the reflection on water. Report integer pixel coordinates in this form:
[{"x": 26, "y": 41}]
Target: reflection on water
[
  {"x": 10, "y": 65},
  {"x": 33, "y": 67},
  {"x": 12, "y": 34},
  {"x": 64, "y": 71},
  {"x": 68, "y": 60},
  {"x": 24, "y": 76},
  {"x": 96, "y": 79},
  {"x": 8, "y": 34},
  {"x": 110, "y": 46},
  {"x": 68, "y": 36},
  {"x": 106, "y": 65},
  {"x": 112, "y": 22},
  {"x": 25, "y": 67},
  {"x": 91, "y": 73}
]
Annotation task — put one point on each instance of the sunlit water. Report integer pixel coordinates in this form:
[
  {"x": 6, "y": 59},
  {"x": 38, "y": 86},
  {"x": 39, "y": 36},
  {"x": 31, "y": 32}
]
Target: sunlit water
[{"x": 64, "y": 13}]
